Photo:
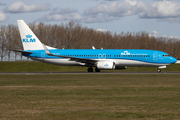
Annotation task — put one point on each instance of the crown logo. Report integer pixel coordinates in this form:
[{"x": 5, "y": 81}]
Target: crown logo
[
  {"x": 106, "y": 65},
  {"x": 28, "y": 36}
]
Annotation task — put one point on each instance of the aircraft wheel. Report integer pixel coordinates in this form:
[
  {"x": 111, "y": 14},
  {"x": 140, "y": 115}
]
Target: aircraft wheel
[
  {"x": 159, "y": 70},
  {"x": 97, "y": 70},
  {"x": 90, "y": 69}
]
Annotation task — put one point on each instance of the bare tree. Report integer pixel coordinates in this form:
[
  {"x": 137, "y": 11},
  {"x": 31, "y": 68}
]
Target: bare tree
[{"x": 74, "y": 36}]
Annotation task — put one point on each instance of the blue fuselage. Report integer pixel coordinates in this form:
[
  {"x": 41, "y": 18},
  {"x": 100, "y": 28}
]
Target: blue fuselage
[{"x": 122, "y": 57}]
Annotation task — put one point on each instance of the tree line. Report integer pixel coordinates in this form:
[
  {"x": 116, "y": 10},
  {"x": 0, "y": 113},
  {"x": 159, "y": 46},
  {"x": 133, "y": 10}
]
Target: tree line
[{"x": 75, "y": 36}]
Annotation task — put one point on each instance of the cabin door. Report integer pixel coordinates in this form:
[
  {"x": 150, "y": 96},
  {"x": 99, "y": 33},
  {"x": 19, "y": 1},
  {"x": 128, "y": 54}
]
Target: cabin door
[
  {"x": 43, "y": 55},
  {"x": 155, "y": 56}
]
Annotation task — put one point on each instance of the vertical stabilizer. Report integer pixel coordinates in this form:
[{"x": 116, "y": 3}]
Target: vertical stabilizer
[{"x": 28, "y": 38}]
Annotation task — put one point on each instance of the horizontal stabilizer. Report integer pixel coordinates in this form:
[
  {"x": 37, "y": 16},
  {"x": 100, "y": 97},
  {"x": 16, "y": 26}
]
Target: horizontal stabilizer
[{"x": 21, "y": 51}]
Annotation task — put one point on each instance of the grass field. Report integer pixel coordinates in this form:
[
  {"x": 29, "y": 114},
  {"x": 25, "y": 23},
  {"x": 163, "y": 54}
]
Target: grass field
[
  {"x": 44, "y": 67},
  {"x": 90, "y": 97}
]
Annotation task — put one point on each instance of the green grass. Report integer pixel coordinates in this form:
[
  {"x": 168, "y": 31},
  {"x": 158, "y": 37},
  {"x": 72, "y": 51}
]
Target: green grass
[
  {"x": 87, "y": 97},
  {"x": 36, "y": 67},
  {"x": 44, "y": 67}
]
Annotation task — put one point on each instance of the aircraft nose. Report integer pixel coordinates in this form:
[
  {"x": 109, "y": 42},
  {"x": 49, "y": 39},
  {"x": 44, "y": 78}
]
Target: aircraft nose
[{"x": 173, "y": 60}]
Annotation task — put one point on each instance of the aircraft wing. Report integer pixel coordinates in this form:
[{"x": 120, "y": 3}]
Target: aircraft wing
[{"x": 82, "y": 60}]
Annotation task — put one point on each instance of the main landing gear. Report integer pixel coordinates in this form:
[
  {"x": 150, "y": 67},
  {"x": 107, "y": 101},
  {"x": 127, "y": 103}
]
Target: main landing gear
[
  {"x": 91, "y": 69},
  {"x": 97, "y": 70},
  {"x": 159, "y": 70}
]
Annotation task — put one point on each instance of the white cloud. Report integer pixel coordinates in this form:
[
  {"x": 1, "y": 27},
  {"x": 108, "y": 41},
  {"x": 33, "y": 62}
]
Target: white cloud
[
  {"x": 62, "y": 14},
  {"x": 21, "y": 7},
  {"x": 114, "y": 10},
  {"x": 156, "y": 34},
  {"x": 101, "y": 30},
  {"x": 133, "y": 3},
  {"x": 174, "y": 37},
  {"x": 161, "y": 10},
  {"x": 3, "y": 17},
  {"x": 100, "y": 13}
]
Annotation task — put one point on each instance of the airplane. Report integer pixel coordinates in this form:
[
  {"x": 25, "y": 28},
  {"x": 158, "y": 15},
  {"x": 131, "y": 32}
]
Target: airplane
[{"x": 101, "y": 59}]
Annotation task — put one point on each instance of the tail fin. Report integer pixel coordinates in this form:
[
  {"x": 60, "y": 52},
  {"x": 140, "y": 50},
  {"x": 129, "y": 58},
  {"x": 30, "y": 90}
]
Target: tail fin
[{"x": 29, "y": 39}]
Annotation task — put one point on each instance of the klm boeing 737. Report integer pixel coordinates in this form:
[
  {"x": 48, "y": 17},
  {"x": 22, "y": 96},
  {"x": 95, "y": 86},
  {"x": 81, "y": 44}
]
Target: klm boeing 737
[{"x": 101, "y": 59}]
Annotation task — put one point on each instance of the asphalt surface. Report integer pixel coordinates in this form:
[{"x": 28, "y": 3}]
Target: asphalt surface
[{"x": 79, "y": 73}]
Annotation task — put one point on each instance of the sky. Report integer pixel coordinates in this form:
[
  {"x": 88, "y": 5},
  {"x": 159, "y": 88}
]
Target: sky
[{"x": 160, "y": 18}]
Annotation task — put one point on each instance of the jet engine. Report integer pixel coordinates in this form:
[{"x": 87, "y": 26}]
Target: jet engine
[{"x": 106, "y": 65}]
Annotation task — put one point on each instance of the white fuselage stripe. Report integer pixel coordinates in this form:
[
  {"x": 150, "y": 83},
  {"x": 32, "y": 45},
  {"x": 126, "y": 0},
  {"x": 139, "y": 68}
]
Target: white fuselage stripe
[{"x": 118, "y": 62}]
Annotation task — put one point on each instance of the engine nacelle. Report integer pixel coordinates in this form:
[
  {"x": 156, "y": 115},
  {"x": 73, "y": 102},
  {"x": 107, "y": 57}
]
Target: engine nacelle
[{"x": 105, "y": 65}]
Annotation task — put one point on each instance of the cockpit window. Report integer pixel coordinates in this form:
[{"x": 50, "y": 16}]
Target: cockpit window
[{"x": 165, "y": 55}]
